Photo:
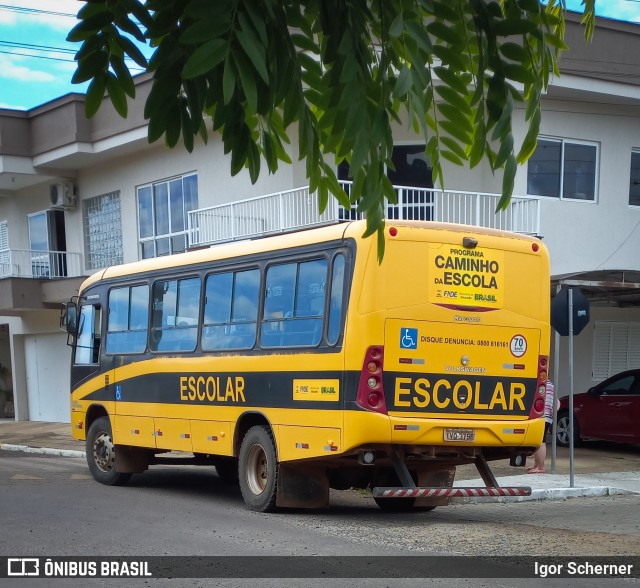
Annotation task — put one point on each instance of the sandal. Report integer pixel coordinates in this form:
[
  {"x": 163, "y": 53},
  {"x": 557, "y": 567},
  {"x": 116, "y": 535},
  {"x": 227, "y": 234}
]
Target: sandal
[{"x": 535, "y": 471}]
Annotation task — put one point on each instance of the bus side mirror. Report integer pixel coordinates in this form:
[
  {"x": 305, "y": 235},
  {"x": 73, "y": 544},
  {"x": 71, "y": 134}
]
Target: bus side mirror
[{"x": 69, "y": 318}]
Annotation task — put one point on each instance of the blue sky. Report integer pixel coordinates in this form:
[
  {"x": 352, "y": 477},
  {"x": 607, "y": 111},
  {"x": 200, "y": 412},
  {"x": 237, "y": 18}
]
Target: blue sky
[{"x": 36, "y": 62}]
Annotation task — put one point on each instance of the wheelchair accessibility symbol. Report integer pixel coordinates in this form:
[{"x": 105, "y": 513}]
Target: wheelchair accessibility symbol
[{"x": 408, "y": 338}]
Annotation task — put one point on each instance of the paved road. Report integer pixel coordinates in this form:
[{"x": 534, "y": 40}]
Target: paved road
[{"x": 56, "y": 509}]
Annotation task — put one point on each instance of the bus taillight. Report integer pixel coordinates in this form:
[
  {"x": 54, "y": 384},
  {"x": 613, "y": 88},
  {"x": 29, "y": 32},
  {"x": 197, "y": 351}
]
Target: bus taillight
[
  {"x": 370, "y": 391},
  {"x": 537, "y": 410}
]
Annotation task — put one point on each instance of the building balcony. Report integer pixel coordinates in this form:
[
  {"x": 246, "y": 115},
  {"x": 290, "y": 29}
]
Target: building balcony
[
  {"x": 37, "y": 280},
  {"x": 295, "y": 209},
  {"x": 28, "y": 263}
]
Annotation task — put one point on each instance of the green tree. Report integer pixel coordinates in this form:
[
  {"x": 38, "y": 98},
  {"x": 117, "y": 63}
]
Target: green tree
[{"x": 340, "y": 70}]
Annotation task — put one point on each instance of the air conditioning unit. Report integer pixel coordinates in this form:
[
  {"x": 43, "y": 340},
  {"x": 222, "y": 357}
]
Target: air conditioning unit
[{"x": 62, "y": 195}]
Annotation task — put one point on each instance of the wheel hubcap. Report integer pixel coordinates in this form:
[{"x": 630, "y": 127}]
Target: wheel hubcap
[
  {"x": 257, "y": 470},
  {"x": 563, "y": 430},
  {"x": 104, "y": 454}
]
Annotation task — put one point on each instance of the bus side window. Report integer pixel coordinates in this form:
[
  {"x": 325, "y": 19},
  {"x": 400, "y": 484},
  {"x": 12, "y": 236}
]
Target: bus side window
[
  {"x": 337, "y": 295},
  {"x": 294, "y": 304},
  {"x": 127, "y": 319},
  {"x": 231, "y": 310},
  {"x": 176, "y": 307},
  {"x": 88, "y": 340}
]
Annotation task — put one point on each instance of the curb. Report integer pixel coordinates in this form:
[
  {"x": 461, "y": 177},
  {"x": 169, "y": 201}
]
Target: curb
[
  {"x": 42, "y": 450},
  {"x": 549, "y": 494}
]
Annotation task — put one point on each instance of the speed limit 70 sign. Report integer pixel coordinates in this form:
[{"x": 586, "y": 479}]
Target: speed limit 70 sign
[{"x": 518, "y": 345}]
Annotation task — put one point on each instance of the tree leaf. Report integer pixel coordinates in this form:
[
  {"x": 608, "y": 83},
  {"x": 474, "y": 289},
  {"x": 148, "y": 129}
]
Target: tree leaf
[
  {"x": 95, "y": 95},
  {"x": 515, "y": 52},
  {"x": 90, "y": 26},
  {"x": 132, "y": 51},
  {"x": 403, "y": 83},
  {"x": 248, "y": 81},
  {"x": 202, "y": 31},
  {"x": 206, "y": 57},
  {"x": 93, "y": 64},
  {"x": 508, "y": 180},
  {"x": 228, "y": 79},
  {"x": 124, "y": 76},
  {"x": 445, "y": 33},
  {"x": 117, "y": 95},
  {"x": 252, "y": 47},
  {"x": 397, "y": 26}
]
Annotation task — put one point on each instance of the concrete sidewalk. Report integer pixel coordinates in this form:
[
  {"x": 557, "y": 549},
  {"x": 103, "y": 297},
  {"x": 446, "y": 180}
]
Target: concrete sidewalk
[{"x": 600, "y": 469}]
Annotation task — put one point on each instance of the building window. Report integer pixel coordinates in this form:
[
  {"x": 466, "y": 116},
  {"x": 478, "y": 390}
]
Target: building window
[
  {"x": 616, "y": 348},
  {"x": 634, "y": 183},
  {"x": 47, "y": 244},
  {"x": 5, "y": 255},
  {"x": 102, "y": 231},
  {"x": 563, "y": 169},
  {"x": 412, "y": 178},
  {"x": 162, "y": 215}
]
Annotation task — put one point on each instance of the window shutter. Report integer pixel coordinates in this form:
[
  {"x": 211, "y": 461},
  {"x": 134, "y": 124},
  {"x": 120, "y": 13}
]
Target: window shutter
[
  {"x": 601, "y": 346},
  {"x": 634, "y": 345},
  {"x": 4, "y": 236},
  {"x": 618, "y": 361},
  {"x": 616, "y": 348}
]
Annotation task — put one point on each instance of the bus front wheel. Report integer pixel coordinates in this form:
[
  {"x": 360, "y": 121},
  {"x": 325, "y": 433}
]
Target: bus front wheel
[
  {"x": 101, "y": 454},
  {"x": 258, "y": 470}
]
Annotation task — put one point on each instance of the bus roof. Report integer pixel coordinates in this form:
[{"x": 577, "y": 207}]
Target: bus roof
[{"x": 350, "y": 229}]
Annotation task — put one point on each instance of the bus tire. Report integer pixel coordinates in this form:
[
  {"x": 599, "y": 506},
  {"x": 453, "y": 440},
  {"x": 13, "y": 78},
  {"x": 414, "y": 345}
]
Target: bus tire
[
  {"x": 258, "y": 469},
  {"x": 101, "y": 454},
  {"x": 395, "y": 504}
]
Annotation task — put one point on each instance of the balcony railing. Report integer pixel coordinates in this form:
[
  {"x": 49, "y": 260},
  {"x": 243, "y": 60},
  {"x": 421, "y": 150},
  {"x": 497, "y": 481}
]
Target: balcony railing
[
  {"x": 295, "y": 209},
  {"x": 28, "y": 263}
]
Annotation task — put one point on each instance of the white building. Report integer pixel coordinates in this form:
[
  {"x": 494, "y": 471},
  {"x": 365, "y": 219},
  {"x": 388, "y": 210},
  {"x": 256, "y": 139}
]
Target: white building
[{"x": 77, "y": 195}]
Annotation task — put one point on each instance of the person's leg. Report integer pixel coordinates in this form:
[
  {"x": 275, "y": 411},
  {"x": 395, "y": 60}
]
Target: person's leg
[{"x": 540, "y": 454}]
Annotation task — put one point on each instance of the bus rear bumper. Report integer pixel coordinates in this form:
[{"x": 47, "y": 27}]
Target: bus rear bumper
[
  {"x": 367, "y": 428},
  {"x": 478, "y": 433}
]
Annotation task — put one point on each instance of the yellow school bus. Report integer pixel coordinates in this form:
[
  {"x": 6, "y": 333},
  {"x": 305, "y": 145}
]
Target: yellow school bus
[{"x": 299, "y": 363}]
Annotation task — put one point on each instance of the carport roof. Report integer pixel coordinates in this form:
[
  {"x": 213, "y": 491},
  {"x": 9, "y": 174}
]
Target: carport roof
[{"x": 604, "y": 287}]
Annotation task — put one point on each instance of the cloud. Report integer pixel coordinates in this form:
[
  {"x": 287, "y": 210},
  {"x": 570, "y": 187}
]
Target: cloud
[
  {"x": 10, "y": 68},
  {"x": 64, "y": 19}
]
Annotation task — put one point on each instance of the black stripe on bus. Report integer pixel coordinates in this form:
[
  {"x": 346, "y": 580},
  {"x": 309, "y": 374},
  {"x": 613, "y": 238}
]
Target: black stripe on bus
[{"x": 251, "y": 389}]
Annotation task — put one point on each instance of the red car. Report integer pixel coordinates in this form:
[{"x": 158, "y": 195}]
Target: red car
[{"x": 609, "y": 411}]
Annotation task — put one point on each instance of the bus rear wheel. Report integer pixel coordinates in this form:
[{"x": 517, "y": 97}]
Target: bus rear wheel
[
  {"x": 101, "y": 454},
  {"x": 258, "y": 470}
]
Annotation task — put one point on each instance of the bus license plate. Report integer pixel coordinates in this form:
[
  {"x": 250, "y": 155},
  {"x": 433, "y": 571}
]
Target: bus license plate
[{"x": 459, "y": 435}]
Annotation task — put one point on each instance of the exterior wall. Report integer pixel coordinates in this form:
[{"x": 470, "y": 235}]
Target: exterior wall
[
  {"x": 585, "y": 235},
  {"x": 15, "y": 211},
  {"x": 583, "y": 350},
  {"x": 215, "y": 184},
  {"x": 52, "y": 366},
  {"x": 14, "y": 133}
]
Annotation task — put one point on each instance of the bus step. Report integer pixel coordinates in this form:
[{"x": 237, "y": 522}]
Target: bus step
[{"x": 400, "y": 492}]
